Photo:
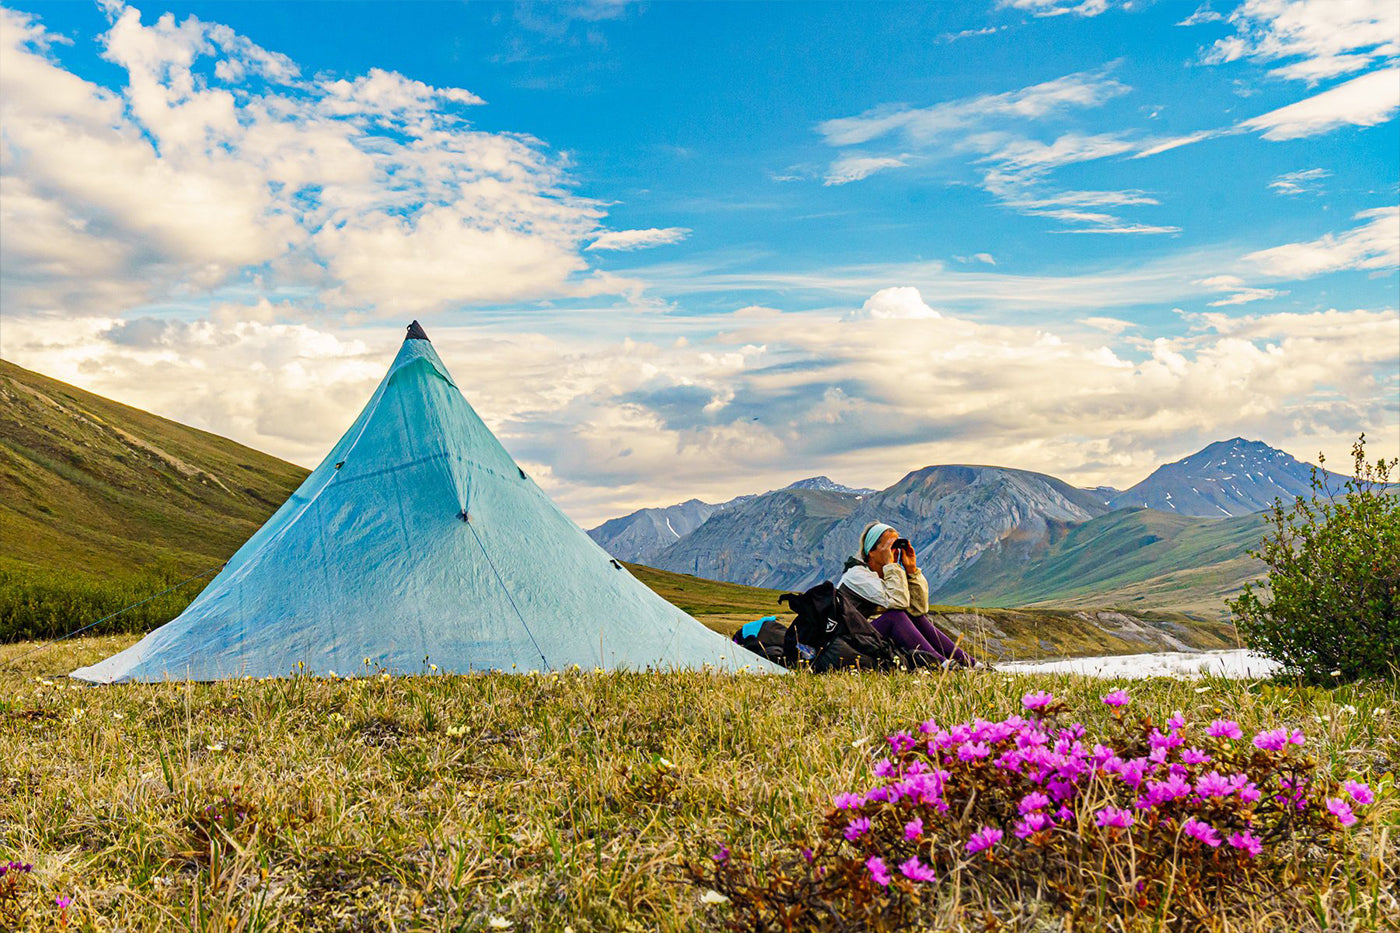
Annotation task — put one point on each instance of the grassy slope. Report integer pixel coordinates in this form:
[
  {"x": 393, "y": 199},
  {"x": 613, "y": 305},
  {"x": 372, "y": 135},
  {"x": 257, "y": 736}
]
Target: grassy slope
[
  {"x": 1133, "y": 559},
  {"x": 91, "y": 485},
  {"x": 440, "y": 803}
]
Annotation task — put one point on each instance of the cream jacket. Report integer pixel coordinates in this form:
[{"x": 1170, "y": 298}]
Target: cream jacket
[{"x": 892, "y": 588}]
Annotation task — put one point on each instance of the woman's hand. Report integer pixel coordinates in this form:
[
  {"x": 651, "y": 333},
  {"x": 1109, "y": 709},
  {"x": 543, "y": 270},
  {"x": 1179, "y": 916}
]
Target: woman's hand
[{"x": 906, "y": 557}]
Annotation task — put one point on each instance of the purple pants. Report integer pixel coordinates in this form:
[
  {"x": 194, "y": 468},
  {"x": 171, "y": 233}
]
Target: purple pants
[{"x": 918, "y": 632}]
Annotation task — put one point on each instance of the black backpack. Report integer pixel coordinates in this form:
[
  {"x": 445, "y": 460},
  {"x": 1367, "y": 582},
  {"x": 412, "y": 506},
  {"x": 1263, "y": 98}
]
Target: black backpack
[
  {"x": 768, "y": 642},
  {"x": 829, "y": 622}
]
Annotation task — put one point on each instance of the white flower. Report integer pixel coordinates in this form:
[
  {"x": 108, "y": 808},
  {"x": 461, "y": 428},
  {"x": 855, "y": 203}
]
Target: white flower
[
  {"x": 499, "y": 923},
  {"x": 713, "y": 897},
  {"x": 859, "y": 742},
  {"x": 1203, "y": 690},
  {"x": 1348, "y": 708},
  {"x": 216, "y": 747},
  {"x": 664, "y": 763}
]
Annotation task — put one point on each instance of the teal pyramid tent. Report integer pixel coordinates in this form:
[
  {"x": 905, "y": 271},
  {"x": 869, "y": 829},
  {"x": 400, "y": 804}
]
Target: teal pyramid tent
[{"x": 418, "y": 537}]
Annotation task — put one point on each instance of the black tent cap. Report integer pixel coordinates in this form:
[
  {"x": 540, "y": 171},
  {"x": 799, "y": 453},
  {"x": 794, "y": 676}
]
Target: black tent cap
[{"x": 416, "y": 332}]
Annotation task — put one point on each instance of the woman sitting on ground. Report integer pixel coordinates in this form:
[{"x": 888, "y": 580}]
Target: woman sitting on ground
[{"x": 891, "y": 591}]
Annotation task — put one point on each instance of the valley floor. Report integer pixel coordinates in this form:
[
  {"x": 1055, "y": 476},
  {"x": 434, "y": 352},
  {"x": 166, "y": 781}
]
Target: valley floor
[{"x": 510, "y": 802}]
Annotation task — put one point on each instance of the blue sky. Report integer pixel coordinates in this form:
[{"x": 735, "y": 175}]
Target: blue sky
[{"x": 681, "y": 249}]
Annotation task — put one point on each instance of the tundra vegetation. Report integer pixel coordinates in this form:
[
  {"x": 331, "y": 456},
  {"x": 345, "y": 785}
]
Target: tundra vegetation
[{"x": 576, "y": 800}]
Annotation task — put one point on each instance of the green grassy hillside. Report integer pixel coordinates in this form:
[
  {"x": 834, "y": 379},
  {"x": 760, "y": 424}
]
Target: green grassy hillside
[
  {"x": 91, "y": 485},
  {"x": 1131, "y": 559}
]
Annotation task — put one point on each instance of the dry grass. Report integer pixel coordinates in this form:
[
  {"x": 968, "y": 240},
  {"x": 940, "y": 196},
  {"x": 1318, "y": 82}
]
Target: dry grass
[{"x": 440, "y": 803}]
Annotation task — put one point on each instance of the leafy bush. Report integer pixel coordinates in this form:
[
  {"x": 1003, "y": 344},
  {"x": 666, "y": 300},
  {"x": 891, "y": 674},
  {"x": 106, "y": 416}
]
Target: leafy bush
[
  {"x": 1138, "y": 828},
  {"x": 48, "y": 604},
  {"x": 1334, "y": 579}
]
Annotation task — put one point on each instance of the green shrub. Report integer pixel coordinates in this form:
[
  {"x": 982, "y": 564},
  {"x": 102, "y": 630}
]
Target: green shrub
[
  {"x": 1334, "y": 579},
  {"x": 38, "y": 603}
]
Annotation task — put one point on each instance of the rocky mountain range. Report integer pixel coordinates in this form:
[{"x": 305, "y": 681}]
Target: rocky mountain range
[
  {"x": 955, "y": 515},
  {"x": 642, "y": 535}
]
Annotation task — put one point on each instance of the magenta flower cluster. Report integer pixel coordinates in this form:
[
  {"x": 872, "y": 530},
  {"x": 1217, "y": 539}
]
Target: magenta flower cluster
[{"x": 1179, "y": 782}]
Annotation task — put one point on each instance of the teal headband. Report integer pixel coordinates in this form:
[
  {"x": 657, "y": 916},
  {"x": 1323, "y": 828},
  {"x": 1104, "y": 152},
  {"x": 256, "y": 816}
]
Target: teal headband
[{"x": 872, "y": 537}]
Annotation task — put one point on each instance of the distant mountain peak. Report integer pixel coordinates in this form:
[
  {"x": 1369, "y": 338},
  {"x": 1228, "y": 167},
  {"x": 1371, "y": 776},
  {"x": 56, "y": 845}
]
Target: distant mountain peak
[
  {"x": 1230, "y": 477},
  {"x": 826, "y": 484}
]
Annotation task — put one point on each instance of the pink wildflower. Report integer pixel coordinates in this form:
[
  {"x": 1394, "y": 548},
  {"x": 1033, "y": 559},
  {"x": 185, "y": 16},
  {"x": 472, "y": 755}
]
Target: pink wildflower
[
  {"x": 876, "y": 866},
  {"x": 1248, "y": 842},
  {"x": 984, "y": 838},
  {"x": 914, "y": 828},
  {"x": 973, "y": 750},
  {"x": 847, "y": 801},
  {"x": 1176, "y": 722},
  {"x": 1341, "y": 810},
  {"x": 1116, "y": 699},
  {"x": 1213, "y": 785},
  {"x": 63, "y": 902},
  {"x": 722, "y": 855},
  {"x": 1194, "y": 756},
  {"x": 915, "y": 870},
  {"x": 1032, "y": 824},
  {"x": 857, "y": 828},
  {"x": 1037, "y": 700},
  {"x": 884, "y": 768},
  {"x": 1224, "y": 729},
  {"x": 1035, "y": 800},
  {"x": 901, "y": 742},
  {"x": 1272, "y": 740},
  {"x": 1201, "y": 832},
  {"x": 1359, "y": 792},
  {"x": 1114, "y": 817}
]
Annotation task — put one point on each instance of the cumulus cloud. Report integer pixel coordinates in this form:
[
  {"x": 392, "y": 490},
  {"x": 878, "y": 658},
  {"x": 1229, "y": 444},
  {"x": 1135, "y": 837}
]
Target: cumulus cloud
[
  {"x": 639, "y": 239},
  {"x": 1317, "y": 39},
  {"x": 1374, "y": 245},
  {"x": 610, "y": 424},
  {"x": 899, "y": 303},
  {"x": 218, "y": 161}
]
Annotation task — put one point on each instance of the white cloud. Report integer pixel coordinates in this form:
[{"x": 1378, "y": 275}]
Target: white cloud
[
  {"x": 1239, "y": 293},
  {"x": 1203, "y": 14},
  {"x": 902, "y": 303},
  {"x": 1062, "y": 7},
  {"x": 1365, "y": 101},
  {"x": 970, "y": 33},
  {"x": 1291, "y": 183},
  {"x": 924, "y": 125},
  {"x": 1326, "y": 38},
  {"x": 609, "y": 424},
  {"x": 854, "y": 168},
  {"x": 639, "y": 239},
  {"x": 1375, "y": 245},
  {"x": 984, "y": 258},
  {"x": 992, "y": 129},
  {"x": 218, "y": 163}
]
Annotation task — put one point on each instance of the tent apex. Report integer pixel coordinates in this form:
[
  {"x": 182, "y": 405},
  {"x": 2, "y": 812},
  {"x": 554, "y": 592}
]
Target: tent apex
[{"x": 416, "y": 332}]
